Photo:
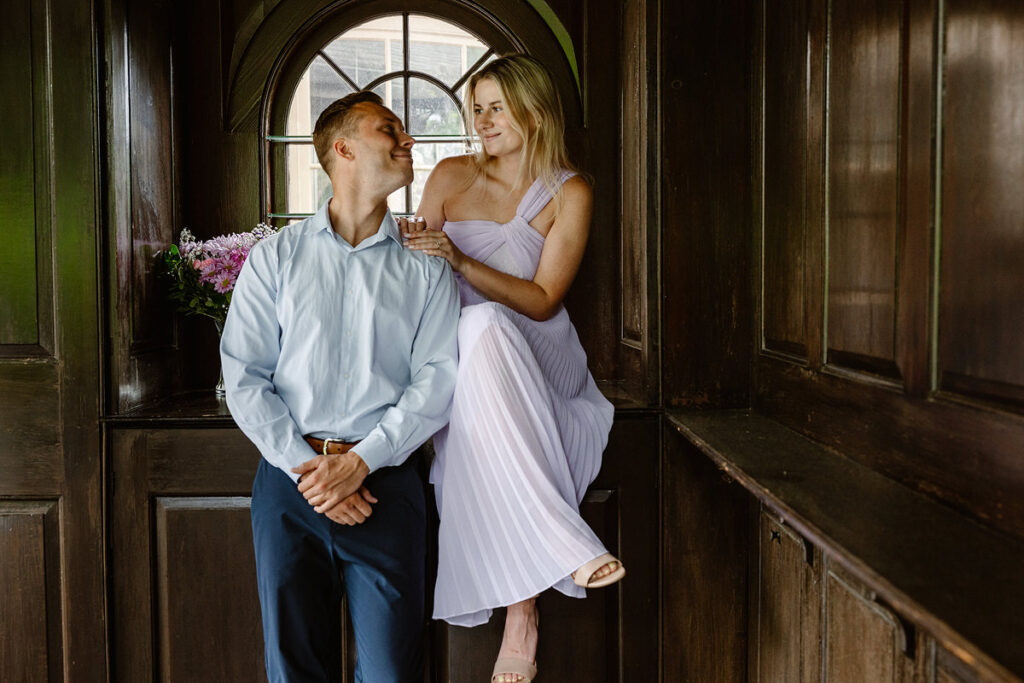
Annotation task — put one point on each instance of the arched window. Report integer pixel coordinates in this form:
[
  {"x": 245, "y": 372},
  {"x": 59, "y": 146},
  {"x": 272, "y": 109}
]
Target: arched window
[{"x": 418, "y": 64}]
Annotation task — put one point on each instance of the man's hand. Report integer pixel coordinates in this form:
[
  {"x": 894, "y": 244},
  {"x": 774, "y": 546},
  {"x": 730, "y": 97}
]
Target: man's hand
[
  {"x": 326, "y": 480},
  {"x": 354, "y": 509}
]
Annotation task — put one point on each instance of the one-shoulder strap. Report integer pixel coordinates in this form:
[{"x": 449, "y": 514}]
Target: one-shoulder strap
[{"x": 538, "y": 196}]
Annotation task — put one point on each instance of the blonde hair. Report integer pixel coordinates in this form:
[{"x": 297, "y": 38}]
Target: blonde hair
[{"x": 529, "y": 96}]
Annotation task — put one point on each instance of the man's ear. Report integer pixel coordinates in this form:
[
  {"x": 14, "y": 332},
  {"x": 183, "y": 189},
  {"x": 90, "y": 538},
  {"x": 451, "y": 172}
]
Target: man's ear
[{"x": 343, "y": 149}]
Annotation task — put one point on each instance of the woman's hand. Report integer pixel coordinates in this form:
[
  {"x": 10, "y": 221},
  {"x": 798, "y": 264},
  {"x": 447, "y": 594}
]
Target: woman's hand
[{"x": 433, "y": 242}]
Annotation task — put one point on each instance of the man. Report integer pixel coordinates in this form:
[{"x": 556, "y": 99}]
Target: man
[{"x": 339, "y": 358}]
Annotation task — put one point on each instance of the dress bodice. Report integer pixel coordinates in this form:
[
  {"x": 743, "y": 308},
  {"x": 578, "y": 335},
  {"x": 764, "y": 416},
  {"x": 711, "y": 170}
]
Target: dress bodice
[{"x": 501, "y": 245}]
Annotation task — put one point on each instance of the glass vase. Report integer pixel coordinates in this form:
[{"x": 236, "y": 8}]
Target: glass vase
[{"x": 219, "y": 389}]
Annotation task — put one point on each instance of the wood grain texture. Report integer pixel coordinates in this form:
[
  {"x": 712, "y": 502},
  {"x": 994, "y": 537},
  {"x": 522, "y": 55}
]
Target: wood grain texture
[
  {"x": 30, "y": 606},
  {"x": 18, "y": 317},
  {"x": 705, "y": 188},
  {"x": 788, "y": 619},
  {"x": 957, "y": 580},
  {"x": 965, "y": 456},
  {"x": 864, "y": 182},
  {"x": 704, "y": 541},
  {"x": 981, "y": 320},
  {"x": 785, "y": 135},
  {"x": 209, "y": 615}
]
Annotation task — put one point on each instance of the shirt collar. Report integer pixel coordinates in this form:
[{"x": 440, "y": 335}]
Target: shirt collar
[{"x": 388, "y": 227}]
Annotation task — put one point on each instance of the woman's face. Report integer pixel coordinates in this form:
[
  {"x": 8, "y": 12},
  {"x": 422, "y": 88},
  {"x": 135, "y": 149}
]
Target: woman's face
[{"x": 491, "y": 122}]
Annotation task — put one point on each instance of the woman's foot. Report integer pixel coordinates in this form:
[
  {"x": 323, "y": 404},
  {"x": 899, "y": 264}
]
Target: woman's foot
[
  {"x": 601, "y": 571},
  {"x": 519, "y": 642}
]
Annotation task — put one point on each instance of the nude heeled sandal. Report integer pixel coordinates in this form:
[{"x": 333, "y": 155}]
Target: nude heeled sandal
[
  {"x": 514, "y": 666},
  {"x": 583, "y": 575}
]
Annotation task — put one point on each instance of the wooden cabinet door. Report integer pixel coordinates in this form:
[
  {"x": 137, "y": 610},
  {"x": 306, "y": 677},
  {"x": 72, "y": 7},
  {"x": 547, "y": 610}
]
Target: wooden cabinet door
[
  {"x": 787, "y": 618},
  {"x": 863, "y": 639},
  {"x": 51, "y": 512}
]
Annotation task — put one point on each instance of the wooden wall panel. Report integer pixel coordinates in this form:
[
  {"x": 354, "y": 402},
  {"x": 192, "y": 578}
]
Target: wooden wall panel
[
  {"x": 788, "y": 614},
  {"x": 204, "y": 557},
  {"x": 704, "y": 545},
  {"x": 150, "y": 120},
  {"x": 864, "y": 202},
  {"x": 981, "y": 320},
  {"x": 706, "y": 230},
  {"x": 786, "y": 84},
  {"x": 142, "y": 200},
  {"x": 18, "y": 317},
  {"x": 861, "y": 638},
  {"x": 30, "y": 603}
]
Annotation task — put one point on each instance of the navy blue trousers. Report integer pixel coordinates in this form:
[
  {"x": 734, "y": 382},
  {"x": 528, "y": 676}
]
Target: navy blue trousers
[{"x": 305, "y": 563}]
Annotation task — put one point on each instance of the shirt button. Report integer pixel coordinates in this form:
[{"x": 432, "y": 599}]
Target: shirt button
[{"x": 346, "y": 375}]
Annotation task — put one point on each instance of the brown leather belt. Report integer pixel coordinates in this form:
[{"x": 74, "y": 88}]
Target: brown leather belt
[{"x": 328, "y": 446}]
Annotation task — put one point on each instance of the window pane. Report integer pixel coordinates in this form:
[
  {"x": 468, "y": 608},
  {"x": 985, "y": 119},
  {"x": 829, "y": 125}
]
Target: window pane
[
  {"x": 441, "y": 49},
  {"x": 367, "y": 51},
  {"x": 431, "y": 110},
  {"x": 317, "y": 88},
  {"x": 308, "y": 185},
  {"x": 425, "y": 156},
  {"x": 393, "y": 94}
]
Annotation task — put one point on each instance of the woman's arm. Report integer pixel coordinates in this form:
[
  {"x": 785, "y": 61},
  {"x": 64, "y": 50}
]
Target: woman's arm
[{"x": 559, "y": 262}]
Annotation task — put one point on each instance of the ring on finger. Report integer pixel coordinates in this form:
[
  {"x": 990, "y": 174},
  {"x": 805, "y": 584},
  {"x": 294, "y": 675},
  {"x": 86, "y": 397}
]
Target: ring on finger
[{"x": 437, "y": 244}]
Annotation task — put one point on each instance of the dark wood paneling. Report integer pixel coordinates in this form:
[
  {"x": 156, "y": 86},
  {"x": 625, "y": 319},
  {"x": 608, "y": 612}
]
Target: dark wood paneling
[
  {"x": 704, "y": 545},
  {"x": 30, "y": 607},
  {"x": 966, "y": 457},
  {"x": 861, "y": 638},
  {"x": 956, "y": 579},
  {"x": 150, "y": 120},
  {"x": 30, "y": 450},
  {"x": 918, "y": 164},
  {"x": 788, "y": 618},
  {"x": 705, "y": 188},
  {"x": 640, "y": 202},
  {"x": 204, "y": 558},
  {"x": 49, "y": 380},
  {"x": 864, "y": 125},
  {"x": 981, "y": 320},
  {"x": 785, "y": 135},
  {"x": 141, "y": 210},
  {"x": 18, "y": 321}
]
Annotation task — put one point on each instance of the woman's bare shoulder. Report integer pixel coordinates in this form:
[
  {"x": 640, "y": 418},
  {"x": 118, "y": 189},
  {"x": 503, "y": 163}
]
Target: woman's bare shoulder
[
  {"x": 453, "y": 171},
  {"x": 577, "y": 191}
]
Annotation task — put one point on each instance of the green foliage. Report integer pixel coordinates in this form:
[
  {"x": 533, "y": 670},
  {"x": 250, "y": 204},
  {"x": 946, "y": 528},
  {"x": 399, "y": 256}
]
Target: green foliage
[{"x": 185, "y": 289}]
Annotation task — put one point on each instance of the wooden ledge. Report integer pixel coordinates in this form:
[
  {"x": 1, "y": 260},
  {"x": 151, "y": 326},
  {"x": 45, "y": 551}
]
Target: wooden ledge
[{"x": 961, "y": 582}]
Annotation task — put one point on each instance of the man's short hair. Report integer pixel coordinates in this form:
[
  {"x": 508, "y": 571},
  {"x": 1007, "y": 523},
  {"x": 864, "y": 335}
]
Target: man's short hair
[{"x": 338, "y": 120}]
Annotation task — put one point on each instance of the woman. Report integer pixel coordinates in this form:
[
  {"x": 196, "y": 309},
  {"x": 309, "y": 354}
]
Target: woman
[{"x": 528, "y": 424}]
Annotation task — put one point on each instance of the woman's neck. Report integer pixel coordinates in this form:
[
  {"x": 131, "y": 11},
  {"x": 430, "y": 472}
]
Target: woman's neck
[{"x": 505, "y": 169}]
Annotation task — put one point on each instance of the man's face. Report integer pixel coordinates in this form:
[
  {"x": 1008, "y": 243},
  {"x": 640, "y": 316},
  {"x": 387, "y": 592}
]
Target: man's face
[{"x": 382, "y": 150}]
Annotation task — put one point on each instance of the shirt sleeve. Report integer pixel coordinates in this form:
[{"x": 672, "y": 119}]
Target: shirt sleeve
[
  {"x": 249, "y": 350},
  {"x": 425, "y": 404}
]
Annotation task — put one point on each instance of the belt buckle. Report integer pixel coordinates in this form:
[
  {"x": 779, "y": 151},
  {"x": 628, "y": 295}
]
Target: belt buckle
[{"x": 327, "y": 441}]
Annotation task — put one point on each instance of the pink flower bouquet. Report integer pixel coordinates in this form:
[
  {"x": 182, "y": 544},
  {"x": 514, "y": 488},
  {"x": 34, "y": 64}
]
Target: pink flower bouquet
[{"x": 202, "y": 273}]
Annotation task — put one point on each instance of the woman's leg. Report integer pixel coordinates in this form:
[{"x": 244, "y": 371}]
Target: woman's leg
[{"x": 520, "y": 639}]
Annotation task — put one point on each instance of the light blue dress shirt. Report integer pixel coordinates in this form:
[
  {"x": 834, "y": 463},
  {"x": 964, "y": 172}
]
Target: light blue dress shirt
[{"x": 324, "y": 339}]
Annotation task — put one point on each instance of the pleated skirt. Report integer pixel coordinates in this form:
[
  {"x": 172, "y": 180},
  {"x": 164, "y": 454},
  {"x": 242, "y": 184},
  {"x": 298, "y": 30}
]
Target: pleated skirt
[{"x": 525, "y": 440}]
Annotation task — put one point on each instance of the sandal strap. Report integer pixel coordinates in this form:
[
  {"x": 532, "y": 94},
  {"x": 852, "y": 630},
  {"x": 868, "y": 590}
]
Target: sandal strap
[
  {"x": 585, "y": 574},
  {"x": 514, "y": 666}
]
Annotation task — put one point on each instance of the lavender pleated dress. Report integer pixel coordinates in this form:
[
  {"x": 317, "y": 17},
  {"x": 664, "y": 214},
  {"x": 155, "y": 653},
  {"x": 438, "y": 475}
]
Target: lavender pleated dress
[{"x": 525, "y": 440}]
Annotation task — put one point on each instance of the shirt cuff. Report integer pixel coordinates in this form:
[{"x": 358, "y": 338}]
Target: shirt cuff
[
  {"x": 299, "y": 453},
  {"x": 374, "y": 450}
]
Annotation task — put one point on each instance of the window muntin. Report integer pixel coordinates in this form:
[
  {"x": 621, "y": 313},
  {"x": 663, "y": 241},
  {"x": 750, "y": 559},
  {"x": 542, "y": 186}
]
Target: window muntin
[{"x": 428, "y": 58}]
